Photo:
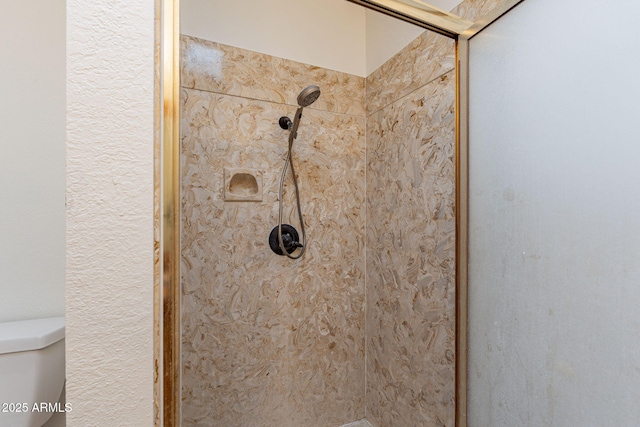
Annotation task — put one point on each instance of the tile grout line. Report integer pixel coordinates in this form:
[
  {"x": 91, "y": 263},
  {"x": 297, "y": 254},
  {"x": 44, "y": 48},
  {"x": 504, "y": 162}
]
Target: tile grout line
[
  {"x": 364, "y": 115},
  {"x": 366, "y": 157}
]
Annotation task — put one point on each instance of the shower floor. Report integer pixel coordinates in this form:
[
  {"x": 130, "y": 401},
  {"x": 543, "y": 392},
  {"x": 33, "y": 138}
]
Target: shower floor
[{"x": 360, "y": 423}]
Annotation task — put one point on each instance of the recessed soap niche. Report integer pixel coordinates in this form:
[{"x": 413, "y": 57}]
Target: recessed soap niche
[{"x": 242, "y": 185}]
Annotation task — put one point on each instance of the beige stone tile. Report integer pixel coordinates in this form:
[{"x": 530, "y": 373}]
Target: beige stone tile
[
  {"x": 219, "y": 68},
  {"x": 411, "y": 259},
  {"x": 474, "y": 9},
  {"x": 427, "y": 57},
  {"x": 267, "y": 340}
]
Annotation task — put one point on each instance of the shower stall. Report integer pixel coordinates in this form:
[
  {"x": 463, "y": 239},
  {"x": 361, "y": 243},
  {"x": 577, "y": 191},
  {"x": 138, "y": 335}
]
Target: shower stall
[
  {"x": 362, "y": 323},
  {"x": 467, "y": 255}
]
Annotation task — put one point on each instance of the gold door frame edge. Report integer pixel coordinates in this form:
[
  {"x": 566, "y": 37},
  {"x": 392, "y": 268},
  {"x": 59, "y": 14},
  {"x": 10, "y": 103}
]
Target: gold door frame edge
[
  {"x": 462, "y": 221},
  {"x": 442, "y": 23},
  {"x": 169, "y": 277}
]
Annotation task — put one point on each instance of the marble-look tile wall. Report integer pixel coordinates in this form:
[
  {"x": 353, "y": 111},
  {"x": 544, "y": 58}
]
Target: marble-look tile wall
[
  {"x": 410, "y": 259},
  {"x": 267, "y": 340},
  {"x": 410, "y": 244}
]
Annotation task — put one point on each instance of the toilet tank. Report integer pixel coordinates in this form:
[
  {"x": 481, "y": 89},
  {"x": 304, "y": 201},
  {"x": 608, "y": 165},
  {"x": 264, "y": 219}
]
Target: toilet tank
[{"x": 31, "y": 371}]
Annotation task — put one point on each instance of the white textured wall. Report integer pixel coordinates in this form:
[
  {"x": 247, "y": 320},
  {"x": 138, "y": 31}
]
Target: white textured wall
[
  {"x": 32, "y": 108},
  {"x": 110, "y": 123}
]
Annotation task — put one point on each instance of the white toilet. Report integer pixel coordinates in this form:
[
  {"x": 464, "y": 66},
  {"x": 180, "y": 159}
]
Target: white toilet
[{"x": 31, "y": 371}]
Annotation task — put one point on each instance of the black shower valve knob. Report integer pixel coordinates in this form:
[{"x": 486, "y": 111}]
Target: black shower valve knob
[
  {"x": 285, "y": 123},
  {"x": 290, "y": 239}
]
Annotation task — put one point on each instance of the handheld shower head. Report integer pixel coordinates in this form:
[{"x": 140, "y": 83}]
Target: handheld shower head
[{"x": 308, "y": 95}]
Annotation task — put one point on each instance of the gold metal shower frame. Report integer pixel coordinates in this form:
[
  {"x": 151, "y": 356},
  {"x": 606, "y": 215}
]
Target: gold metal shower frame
[{"x": 416, "y": 12}]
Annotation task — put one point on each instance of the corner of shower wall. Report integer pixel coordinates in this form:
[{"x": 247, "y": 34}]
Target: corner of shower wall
[{"x": 267, "y": 340}]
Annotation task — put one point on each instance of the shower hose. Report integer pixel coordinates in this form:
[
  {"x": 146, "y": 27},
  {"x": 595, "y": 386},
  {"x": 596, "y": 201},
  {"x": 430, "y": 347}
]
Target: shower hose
[{"x": 289, "y": 162}]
